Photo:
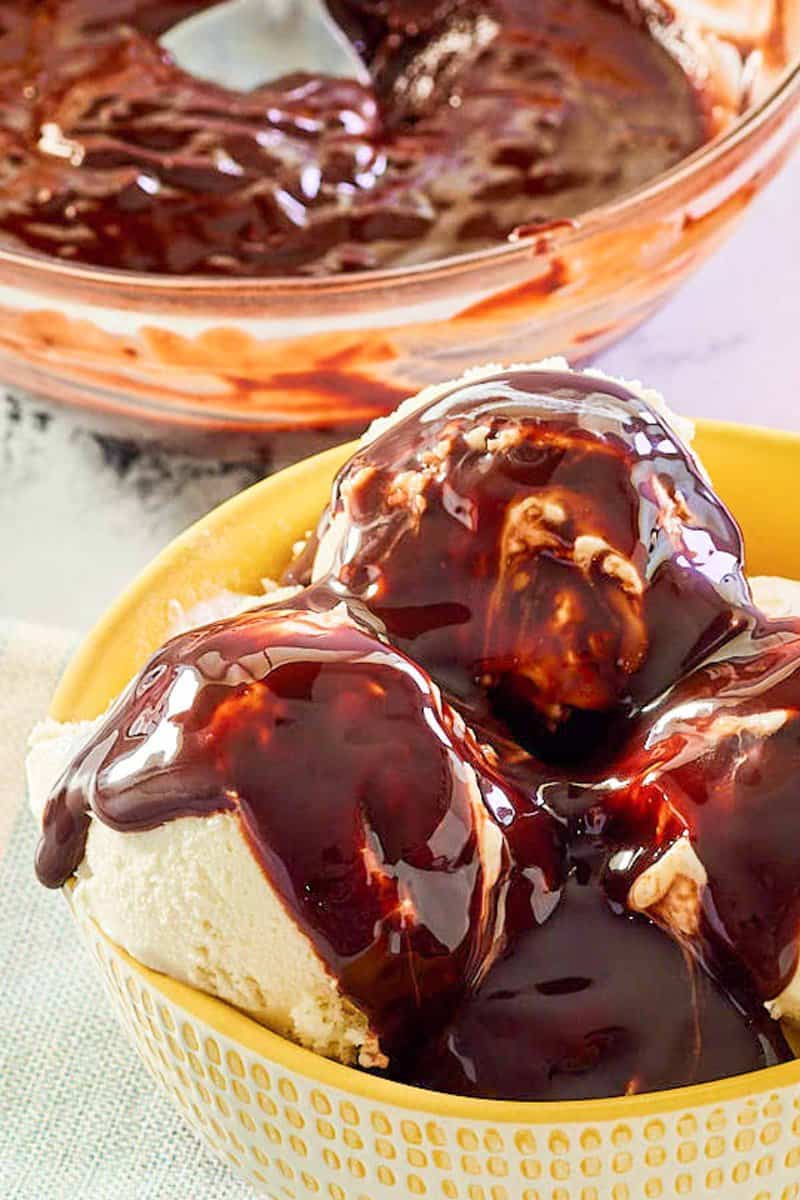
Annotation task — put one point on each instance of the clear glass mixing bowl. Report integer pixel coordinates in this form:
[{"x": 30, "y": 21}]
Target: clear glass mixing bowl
[{"x": 298, "y": 364}]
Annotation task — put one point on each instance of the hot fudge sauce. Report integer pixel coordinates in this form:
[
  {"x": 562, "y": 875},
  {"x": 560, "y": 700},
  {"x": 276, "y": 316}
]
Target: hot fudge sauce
[
  {"x": 365, "y": 800},
  {"x": 723, "y": 751},
  {"x": 481, "y": 117},
  {"x": 545, "y": 547}
]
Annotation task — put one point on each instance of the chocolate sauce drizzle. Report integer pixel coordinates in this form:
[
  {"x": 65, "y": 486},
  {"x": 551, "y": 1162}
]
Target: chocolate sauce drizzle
[
  {"x": 545, "y": 547},
  {"x": 529, "y": 671},
  {"x": 480, "y": 118}
]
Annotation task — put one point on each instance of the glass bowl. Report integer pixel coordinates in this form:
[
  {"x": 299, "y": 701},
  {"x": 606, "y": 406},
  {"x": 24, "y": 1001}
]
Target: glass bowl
[
  {"x": 294, "y": 1125},
  {"x": 301, "y": 364}
]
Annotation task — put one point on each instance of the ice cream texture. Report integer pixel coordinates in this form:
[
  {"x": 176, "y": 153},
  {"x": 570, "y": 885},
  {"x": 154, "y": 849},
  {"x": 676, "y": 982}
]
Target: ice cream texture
[
  {"x": 189, "y": 899},
  {"x": 499, "y": 789}
]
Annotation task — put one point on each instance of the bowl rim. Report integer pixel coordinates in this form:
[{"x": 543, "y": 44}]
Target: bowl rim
[
  {"x": 784, "y": 93},
  {"x": 244, "y": 1030}
]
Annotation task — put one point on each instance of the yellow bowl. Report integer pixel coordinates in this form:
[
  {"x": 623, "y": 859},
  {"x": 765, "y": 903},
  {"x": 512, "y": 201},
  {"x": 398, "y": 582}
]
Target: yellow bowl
[{"x": 295, "y": 1125}]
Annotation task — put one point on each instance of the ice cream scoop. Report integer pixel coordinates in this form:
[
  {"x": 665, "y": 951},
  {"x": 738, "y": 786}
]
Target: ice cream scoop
[
  {"x": 721, "y": 755},
  {"x": 545, "y": 544},
  {"x": 280, "y": 809},
  {"x": 595, "y": 1003}
]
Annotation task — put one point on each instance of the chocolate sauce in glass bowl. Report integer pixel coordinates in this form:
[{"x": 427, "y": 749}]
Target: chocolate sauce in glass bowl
[
  {"x": 473, "y": 891},
  {"x": 480, "y": 118}
]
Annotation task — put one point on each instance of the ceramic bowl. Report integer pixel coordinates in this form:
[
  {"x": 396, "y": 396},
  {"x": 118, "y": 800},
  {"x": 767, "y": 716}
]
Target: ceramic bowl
[{"x": 295, "y": 1125}]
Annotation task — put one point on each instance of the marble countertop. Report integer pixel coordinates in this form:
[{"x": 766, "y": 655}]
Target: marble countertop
[{"x": 81, "y": 513}]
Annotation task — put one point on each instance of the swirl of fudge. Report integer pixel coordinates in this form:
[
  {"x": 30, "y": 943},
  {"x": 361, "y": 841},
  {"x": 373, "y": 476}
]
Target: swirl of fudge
[{"x": 479, "y": 118}]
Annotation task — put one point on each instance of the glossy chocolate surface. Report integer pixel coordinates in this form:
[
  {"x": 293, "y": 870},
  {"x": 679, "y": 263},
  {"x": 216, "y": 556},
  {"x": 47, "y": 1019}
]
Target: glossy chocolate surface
[
  {"x": 481, "y": 118},
  {"x": 597, "y": 1003},
  {"x": 362, "y": 798},
  {"x": 474, "y": 893},
  {"x": 543, "y": 544},
  {"x": 723, "y": 752}
]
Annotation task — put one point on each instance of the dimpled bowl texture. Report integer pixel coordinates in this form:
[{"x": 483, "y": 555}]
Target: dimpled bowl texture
[
  {"x": 295, "y": 1125},
  {"x": 301, "y": 364}
]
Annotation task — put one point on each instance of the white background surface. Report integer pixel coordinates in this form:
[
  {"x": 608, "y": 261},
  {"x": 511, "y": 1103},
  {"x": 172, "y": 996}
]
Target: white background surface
[
  {"x": 80, "y": 514},
  {"x": 728, "y": 344}
]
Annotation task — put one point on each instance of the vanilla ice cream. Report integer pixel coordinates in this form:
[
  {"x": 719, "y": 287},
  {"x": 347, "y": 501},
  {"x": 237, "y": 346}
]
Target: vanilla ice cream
[
  {"x": 263, "y": 857},
  {"x": 167, "y": 895}
]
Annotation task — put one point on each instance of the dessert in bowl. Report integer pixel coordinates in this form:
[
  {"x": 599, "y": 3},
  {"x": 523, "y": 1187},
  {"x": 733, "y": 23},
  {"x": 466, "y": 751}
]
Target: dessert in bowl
[
  {"x": 299, "y": 258},
  {"x": 473, "y": 911}
]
